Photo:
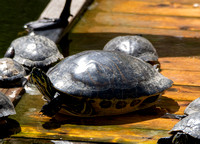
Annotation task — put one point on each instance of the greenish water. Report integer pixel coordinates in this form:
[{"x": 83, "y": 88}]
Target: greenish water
[{"x": 13, "y": 15}]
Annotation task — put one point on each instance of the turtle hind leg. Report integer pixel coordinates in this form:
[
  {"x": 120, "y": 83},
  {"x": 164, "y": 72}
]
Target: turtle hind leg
[{"x": 79, "y": 107}]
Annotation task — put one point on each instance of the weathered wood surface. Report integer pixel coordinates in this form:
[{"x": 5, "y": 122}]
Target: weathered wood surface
[
  {"x": 54, "y": 9},
  {"x": 172, "y": 27}
]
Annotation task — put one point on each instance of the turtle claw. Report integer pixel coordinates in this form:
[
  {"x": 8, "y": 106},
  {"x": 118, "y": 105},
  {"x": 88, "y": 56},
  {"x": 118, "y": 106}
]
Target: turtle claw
[{"x": 49, "y": 109}]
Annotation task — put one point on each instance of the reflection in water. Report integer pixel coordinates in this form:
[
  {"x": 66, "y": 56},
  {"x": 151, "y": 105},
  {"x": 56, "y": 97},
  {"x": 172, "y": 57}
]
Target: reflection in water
[
  {"x": 13, "y": 16},
  {"x": 9, "y": 128}
]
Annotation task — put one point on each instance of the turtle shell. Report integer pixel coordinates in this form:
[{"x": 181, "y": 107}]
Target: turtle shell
[
  {"x": 11, "y": 73},
  {"x": 189, "y": 125},
  {"x": 193, "y": 107},
  {"x": 137, "y": 46},
  {"x": 35, "y": 51},
  {"x": 6, "y": 106},
  {"x": 107, "y": 75}
]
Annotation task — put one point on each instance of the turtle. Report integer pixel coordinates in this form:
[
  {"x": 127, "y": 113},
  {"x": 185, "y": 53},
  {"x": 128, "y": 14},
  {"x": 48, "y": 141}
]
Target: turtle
[
  {"x": 6, "y": 108},
  {"x": 186, "y": 131},
  {"x": 34, "y": 51},
  {"x": 99, "y": 83},
  {"x": 8, "y": 126},
  {"x": 12, "y": 74},
  {"x": 193, "y": 107},
  {"x": 51, "y": 23},
  {"x": 134, "y": 45}
]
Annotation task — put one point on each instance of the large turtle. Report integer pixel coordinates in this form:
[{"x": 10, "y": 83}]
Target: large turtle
[
  {"x": 99, "y": 83},
  {"x": 136, "y": 45},
  {"x": 34, "y": 51},
  {"x": 186, "y": 131},
  {"x": 11, "y": 73}
]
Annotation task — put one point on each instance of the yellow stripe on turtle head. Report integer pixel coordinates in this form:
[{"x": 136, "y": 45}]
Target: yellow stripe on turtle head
[{"x": 42, "y": 82}]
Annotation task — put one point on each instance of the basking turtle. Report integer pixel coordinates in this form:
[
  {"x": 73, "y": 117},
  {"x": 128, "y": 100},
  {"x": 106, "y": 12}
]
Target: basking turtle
[
  {"x": 186, "y": 131},
  {"x": 7, "y": 126},
  {"x": 34, "y": 51},
  {"x": 6, "y": 108},
  {"x": 99, "y": 83},
  {"x": 11, "y": 73},
  {"x": 48, "y": 23},
  {"x": 137, "y": 46},
  {"x": 193, "y": 107}
]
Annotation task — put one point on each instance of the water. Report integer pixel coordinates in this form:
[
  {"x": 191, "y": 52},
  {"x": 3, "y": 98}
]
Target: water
[{"x": 13, "y": 15}]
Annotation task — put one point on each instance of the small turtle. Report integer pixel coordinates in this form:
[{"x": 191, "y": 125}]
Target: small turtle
[
  {"x": 136, "y": 46},
  {"x": 186, "y": 131},
  {"x": 99, "y": 83},
  {"x": 193, "y": 107},
  {"x": 11, "y": 73},
  {"x": 48, "y": 23},
  {"x": 6, "y": 108},
  {"x": 34, "y": 51},
  {"x": 8, "y": 126}
]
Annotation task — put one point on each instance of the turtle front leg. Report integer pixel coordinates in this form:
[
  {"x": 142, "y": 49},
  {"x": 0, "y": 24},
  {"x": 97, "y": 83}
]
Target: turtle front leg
[{"x": 52, "y": 107}]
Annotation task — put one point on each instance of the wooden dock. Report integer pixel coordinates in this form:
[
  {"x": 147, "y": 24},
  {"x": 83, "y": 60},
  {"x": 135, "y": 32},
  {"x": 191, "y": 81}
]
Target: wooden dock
[
  {"x": 173, "y": 28},
  {"x": 53, "y": 10}
]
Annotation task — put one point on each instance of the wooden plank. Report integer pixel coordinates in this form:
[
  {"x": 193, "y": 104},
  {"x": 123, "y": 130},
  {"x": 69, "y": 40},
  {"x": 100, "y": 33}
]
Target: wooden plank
[
  {"x": 149, "y": 21},
  {"x": 14, "y": 94},
  {"x": 180, "y": 63},
  {"x": 42, "y": 141},
  {"x": 184, "y": 93},
  {"x": 138, "y": 20},
  {"x": 136, "y": 30},
  {"x": 179, "y": 58},
  {"x": 150, "y": 8},
  {"x": 181, "y": 77},
  {"x": 54, "y": 9}
]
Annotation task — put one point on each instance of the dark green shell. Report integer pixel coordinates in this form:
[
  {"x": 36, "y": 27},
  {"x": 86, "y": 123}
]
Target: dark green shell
[
  {"x": 107, "y": 75},
  {"x": 6, "y": 106},
  {"x": 136, "y": 46},
  {"x": 35, "y": 51},
  {"x": 11, "y": 73}
]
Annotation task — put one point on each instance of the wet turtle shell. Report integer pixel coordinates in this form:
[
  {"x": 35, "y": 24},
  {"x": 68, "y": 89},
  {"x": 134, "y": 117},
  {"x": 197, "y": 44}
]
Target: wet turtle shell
[
  {"x": 34, "y": 51},
  {"x": 193, "y": 107},
  {"x": 94, "y": 83},
  {"x": 6, "y": 106},
  {"x": 11, "y": 73},
  {"x": 186, "y": 131},
  {"x": 137, "y": 46}
]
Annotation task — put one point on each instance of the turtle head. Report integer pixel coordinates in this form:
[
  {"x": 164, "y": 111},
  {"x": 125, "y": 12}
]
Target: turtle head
[
  {"x": 10, "y": 53},
  {"x": 43, "y": 83}
]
